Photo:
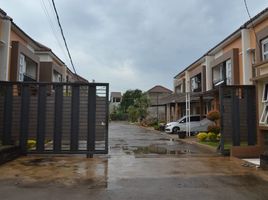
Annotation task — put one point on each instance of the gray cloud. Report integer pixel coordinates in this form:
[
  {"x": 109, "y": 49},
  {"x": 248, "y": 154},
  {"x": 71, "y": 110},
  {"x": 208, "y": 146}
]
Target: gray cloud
[{"x": 133, "y": 44}]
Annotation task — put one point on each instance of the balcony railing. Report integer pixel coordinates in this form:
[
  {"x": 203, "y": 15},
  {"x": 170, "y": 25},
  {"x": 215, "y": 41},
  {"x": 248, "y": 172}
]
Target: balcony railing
[{"x": 28, "y": 78}]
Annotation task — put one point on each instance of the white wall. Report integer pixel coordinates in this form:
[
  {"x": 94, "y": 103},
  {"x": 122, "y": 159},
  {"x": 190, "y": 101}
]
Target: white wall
[
  {"x": 247, "y": 69},
  {"x": 5, "y": 49}
]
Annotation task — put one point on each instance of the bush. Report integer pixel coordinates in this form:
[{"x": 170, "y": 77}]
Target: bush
[
  {"x": 219, "y": 137},
  {"x": 213, "y": 115},
  {"x": 156, "y": 127},
  {"x": 31, "y": 144},
  {"x": 214, "y": 129},
  {"x": 118, "y": 116},
  {"x": 202, "y": 137},
  {"x": 212, "y": 137}
]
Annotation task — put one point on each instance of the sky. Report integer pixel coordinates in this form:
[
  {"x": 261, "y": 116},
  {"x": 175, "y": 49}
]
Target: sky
[{"x": 131, "y": 44}]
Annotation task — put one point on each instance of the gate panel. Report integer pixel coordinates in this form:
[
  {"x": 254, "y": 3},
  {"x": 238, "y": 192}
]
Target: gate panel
[
  {"x": 238, "y": 115},
  {"x": 63, "y": 118}
]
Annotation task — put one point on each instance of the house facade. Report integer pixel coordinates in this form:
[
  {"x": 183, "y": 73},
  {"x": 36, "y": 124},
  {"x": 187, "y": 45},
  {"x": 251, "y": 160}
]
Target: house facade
[
  {"x": 115, "y": 100},
  {"x": 24, "y": 59},
  {"x": 156, "y": 109},
  {"x": 240, "y": 59},
  {"x": 52, "y": 68}
]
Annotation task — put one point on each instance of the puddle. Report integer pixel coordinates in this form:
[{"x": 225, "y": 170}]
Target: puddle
[
  {"x": 155, "y": 149},
  {"x": 37, "y": 162}
]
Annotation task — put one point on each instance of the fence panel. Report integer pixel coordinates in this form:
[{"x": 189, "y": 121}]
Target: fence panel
[
  {"x": 238, "y": 115},
  {"x": 62, "y": 118}
]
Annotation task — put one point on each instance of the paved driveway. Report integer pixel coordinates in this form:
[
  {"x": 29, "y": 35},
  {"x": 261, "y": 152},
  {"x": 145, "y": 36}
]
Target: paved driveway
[{"x": 142, "y": 164}]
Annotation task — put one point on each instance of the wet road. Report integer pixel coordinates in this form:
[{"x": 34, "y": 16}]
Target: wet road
[{"x": 142, "y": 164}]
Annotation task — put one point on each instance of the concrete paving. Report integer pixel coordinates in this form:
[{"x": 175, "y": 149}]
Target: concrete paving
[{"x": 142, "y": 164}]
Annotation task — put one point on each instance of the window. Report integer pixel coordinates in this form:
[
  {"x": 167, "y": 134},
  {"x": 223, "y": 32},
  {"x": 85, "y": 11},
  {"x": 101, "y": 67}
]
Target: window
[
  {"x": 116, "y": 100},
  {"x": 195, "y": 118},
  {"x": 196, "y": 83},
  {"x": 57, "y": 77},
  {"x": 219, "y": 74},
  {"x": 179, "y": 89},
  {"x": 228, "y": 72},
  {"x": 264, "y": 45},
  {"x": 264, "y": 116},
  {"x": 265, "y": 93},
  {"x": 22, "y": 67}
]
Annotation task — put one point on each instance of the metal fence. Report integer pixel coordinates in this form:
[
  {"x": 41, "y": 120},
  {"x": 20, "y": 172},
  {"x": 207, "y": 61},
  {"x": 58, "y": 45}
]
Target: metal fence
[
  {"x": 57, "y": 118},
  {"x": 238, "y": 115}
]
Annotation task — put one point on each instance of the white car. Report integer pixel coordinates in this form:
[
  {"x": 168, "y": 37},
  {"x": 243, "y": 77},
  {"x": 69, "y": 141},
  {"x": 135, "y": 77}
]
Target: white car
[{"x": 196, "y": 125}]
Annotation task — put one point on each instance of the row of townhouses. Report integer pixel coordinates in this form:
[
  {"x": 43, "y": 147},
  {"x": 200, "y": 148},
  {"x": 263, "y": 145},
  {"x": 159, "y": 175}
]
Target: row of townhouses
[
  {"x": 24, "y": 59},
  {"x": 241, "y": 59}
]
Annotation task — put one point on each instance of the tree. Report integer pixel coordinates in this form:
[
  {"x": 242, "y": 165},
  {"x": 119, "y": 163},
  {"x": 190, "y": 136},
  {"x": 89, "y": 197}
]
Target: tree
[
  {"x": 138, "y": 111},
  {"x": 129, "y": 98}
]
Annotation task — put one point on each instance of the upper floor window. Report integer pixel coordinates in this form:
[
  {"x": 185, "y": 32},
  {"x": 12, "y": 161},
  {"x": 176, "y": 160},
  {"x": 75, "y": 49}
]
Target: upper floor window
[
  {"x": 178, "y": 89},
  {"x": 22, "y": 67},
  {"x": 264, "y": 115},
  {"x": 218, "y": 74},
  {"x": 57, "y": 77},
  {"x": 228, "y": 72},
  {"x": 196, "y": 83},
  {"x": 264, "y": 44},
  {"x": 116, "y": 100},
  {"x": 27, "y": 69}
]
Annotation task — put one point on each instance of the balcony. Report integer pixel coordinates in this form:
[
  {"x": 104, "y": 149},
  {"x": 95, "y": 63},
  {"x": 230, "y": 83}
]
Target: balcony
[
  {"x": 260, "y": 70},
  {"x": 28, "y": 78}
]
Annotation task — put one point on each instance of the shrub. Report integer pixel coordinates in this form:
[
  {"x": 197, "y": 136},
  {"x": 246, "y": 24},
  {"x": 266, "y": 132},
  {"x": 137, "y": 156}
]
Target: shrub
[
  {"x": 213, "y": 115},
  {"x": 214, "y": 129},
  {"x": 156, "y": 127},
  {"x": 31, "y": 144},
  {"x": 212, "y": 137},
  {"x": 219, "y": 137},
  {"x": 202, "y": 136}
]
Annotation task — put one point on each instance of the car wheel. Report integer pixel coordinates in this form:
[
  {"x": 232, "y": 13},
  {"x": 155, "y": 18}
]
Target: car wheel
[{"x": 175, "y": 130}]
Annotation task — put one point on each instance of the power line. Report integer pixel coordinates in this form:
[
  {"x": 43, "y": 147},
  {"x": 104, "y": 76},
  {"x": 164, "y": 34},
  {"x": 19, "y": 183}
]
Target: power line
[
  {"x": 58, "y": 19},
  {"x": 52, "y": 27},
  {"x": 251, "y": 22}
]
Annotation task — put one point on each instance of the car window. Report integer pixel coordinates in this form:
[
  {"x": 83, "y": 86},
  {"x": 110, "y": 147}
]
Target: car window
[
  {"x": 195, "y": 118},
  {"x": 182, "y": 120}
]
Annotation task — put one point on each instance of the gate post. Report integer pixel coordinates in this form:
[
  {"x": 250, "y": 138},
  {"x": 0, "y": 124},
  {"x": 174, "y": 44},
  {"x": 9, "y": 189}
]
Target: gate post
[
  {"x": 8, "y": 116},
  {"x": 24, "y": 117},
  {"x": 91, "y": 120}
]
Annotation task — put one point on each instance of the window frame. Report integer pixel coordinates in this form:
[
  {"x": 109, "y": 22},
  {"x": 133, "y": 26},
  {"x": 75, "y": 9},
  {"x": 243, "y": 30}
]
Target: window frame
[
  {"x": 264, "y": 53},
  {"x": 264, "y": 115}
]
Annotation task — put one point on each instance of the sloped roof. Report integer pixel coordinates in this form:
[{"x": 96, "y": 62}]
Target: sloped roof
[
  {"x": 159, "y": 89},
  {"x": 116, "y": 94}
]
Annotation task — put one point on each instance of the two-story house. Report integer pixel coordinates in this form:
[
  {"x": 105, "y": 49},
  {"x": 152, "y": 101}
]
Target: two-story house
[
  {"x": 240, "y": 59},
  {"x": 24, "y": 59}
]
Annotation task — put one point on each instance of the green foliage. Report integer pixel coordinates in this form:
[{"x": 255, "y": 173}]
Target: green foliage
[
  {"x": 129, "y": 98},
  {"x": 202, "y": 136},
  {"x": 214, "y": 129},
  {"x": 219, "y": 137},
  {"x": 138, "y": 111},
  {"x": 212, "y": 137},
  {"x": 156, "y": 127},
  {"x": 31, "y": 144},
  {"x": 213, "y": 115},
  {"x": 133, "y": 114},
  {"x": 118, "y": 115}
]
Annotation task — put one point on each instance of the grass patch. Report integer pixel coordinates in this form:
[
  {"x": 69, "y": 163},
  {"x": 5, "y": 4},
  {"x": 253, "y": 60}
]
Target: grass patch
[
  {"x": 227, "y": 145},
  {"x": 212, "y": 144}
]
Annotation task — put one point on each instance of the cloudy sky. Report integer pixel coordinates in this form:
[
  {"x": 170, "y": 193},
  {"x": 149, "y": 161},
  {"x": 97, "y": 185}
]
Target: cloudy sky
[{"x": 131, "y": 43}]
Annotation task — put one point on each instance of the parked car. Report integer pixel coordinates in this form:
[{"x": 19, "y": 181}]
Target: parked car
[{"x": 196, "y": 124}]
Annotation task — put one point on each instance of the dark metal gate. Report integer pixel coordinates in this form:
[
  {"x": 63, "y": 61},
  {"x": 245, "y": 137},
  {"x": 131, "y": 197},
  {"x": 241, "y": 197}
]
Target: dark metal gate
[
  {"x": 55, "y": 118},
  {"x": 238, "y": 115}
]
